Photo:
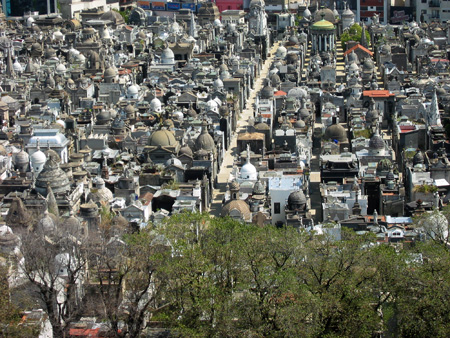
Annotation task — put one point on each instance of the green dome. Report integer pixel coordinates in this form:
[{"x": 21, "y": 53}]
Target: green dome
[{"x": 323, "y": 25}]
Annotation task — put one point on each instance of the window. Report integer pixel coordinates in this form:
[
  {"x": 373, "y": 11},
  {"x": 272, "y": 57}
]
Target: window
[{"x": 276, "y": 208}]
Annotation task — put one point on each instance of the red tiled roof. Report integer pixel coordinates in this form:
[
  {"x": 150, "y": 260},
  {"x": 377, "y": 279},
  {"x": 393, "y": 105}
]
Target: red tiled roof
[
  {"x": 280, "y": 93},
  {"x": 377, "y": 93},
  {"x": 358, "y": 46},
  {"x": 441, "y": 60},
  {"x": 84, "y": 332}
]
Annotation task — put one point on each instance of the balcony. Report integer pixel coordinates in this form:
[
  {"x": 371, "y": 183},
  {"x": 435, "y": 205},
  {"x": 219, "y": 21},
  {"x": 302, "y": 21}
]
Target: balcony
[{"x": 434, "y": 4}]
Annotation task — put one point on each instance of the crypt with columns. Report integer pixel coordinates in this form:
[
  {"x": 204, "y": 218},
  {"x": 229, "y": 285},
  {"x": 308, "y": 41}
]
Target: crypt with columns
[{"x": 323, "y": 36}]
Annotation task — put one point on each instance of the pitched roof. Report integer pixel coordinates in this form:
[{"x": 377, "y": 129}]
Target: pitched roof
[
  {"x": 358, "y": 46},
  {"x": 377, "y": 93}
]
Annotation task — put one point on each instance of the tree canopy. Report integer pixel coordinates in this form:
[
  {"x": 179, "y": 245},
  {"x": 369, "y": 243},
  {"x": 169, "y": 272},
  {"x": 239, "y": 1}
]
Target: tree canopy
[
  {"x": 216, "y": 277},
  {"x": 353, "y": 34}
]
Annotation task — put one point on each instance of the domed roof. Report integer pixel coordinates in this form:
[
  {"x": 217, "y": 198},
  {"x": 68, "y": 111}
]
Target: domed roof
[
  {"x": 103, "y": 117},
  {"x": 72, "y": 225},
  {"x": 293, "y": 39},
  {"x": 60, "y": 69},
  {"x": 296, "y": 199},
  {"x": 291, "y": 58},
  {"x": 36, "y": 47},
  {"x": 336, "y": 132},
  {"x": 70, "y": 82},
  {"x": 347, "y": 12},
  {"x": 258, "y": 188},
  {"x": 186, "y": 150},
  {"x": 259, "y": 3},
  {"x": 129, "y": 109},
  {"x": 440, "y": 91},
  {"x": 133, "y": 90},
  {"x": 307, "y": 13},
  {"x": 267, "y": 91},
  {"x": 49, "y": 53},
  {"x": 262, "y": 126},
  {"x": 30, "y": 21},
  {"x": 17, "y": 66},
  {"x": 22, "y": 157},
  {"x": 390, "y": 176},
  {"x": 204, "y": 141},
  {"x": 201, "y": 154},
  {"x": 47, "y": 223},
  {"x": 212, "y": 105},
  {"x": 368, "y": 64},
  {"x": 38, "y": 157},
  {"x": 238, "y": 205},
  {"x": 235, "y": 186},
  {"x": 275, "y": 80},
  {"x": 162, "y": 138},
  {"x": 218, "y": 84},
  {"x": 352, "y": 57},
  {"x": 173, "y": 161},
  {"x": 323, "y": 25},
  {"x": 94, "y": 56},
  {"x": 281, "y": 52},
  {"x": 113, "y": 16},
  {"x": 110, "y": 72},
  {"x": 52, "y": 175},
  {"x": 418, "y": 158},
  {"x": 376, "y": 142},
  {"x": 50, "y": 81},
  {"x": 192, "y": 113},
  {"x": 325, "y": 14},
  {"x": 167, "y": 56},
  {"x": 304, "y": 113},
  {"x": 353, "y": 67},
  {"x": 299, "y": 124},
  {"x": 100, "y": 193},
  {"x": 118, "y": 123},
  {"x": 168, "y": 123},
  {"x": 155, "y": 104},
  {"x": 371, "y": 115},
  {"x": 248, "y": 171},
  {"x": 50, "y": 153},
  {"x": 223, "y": 67},
  {"x": 80, "y": 58},
  {"x": 297, "y": 92}
]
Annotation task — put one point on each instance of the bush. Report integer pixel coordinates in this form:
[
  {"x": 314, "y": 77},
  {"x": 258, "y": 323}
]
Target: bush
[{"x": 426, "y": 188}]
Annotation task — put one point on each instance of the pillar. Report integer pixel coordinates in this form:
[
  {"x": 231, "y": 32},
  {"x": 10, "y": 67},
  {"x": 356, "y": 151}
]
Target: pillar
[{"x": 358, "y": 11}]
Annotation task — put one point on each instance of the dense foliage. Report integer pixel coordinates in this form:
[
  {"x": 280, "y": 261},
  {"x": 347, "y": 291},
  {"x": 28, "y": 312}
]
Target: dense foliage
[
  {"x": 227, "y": 279},
  {"x": 353, "y": 34},
  {"x": 215, "y": 277}
]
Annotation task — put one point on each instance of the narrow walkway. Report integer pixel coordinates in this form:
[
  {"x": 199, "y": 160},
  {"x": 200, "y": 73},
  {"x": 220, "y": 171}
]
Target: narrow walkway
[{"x": 247, "y": 113}]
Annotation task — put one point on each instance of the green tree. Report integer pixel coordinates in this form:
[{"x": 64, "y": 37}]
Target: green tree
[
  {"x": 422, "y": 298},
  {"x": 353, "y": 34}
]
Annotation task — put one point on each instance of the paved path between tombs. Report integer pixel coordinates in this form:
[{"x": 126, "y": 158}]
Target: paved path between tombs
[{"x": 247, "y": 113}]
